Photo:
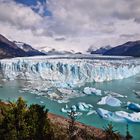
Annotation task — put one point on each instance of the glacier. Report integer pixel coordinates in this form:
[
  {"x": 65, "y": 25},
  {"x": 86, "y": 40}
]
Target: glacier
[{"x": 68, "y": 71}]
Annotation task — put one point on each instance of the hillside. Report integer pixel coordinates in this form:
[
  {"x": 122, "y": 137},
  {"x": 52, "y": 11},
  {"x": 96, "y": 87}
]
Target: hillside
[
  {"x": 131, "y": 48},
  {"x": 9, "y": 49}
]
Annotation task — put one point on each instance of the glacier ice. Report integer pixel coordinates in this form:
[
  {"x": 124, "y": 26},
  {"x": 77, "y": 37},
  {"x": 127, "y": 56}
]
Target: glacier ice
[
  {"x": 91, "y": 112},
  {"x": 84, "y": 107},
  {"x": 89, "y": 90},
  {"x": 67, "y": 72},
  {"x": 108, "y": 115},
  {"x": 114, "y": 94},
  {"x": 133, "y": 106},
  {"x": 110, "y": 100},
  {"x": 119, "y": 116}
]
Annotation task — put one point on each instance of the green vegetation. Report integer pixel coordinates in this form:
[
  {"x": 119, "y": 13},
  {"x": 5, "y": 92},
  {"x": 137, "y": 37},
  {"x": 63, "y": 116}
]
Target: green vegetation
[
  {"x": 111, "y": 134},
  {"x": 18, "y": 122},
  {"x": 21, "y": 122}
]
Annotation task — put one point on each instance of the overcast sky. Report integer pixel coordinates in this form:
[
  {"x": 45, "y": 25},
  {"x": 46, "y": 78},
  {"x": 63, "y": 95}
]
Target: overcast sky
[{"x": 70, "y": 24}]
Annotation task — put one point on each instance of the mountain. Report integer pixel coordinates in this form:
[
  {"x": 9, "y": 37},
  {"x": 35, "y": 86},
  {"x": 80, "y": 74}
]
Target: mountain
[
  {"x": 101, "y": 50},
  {"x": 131, "y": 48},
  {"x": 9, "y": 49},
  {"x": 28, "y": 49}
]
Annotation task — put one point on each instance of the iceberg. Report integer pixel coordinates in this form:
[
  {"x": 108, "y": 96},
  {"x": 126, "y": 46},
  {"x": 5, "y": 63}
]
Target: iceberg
[
  {"x": 108, "y": 115},
  {"x": 129, "y": 117},
  {"x": 68, "y": 71},
  {"x": 119, "y": 116},
  {"x": 114, "y": 94},
  {"x": 89, "y": 90},
  {"x": 133, "y": 106},
  {"x": 110, "y": 100},
  {"x": 84, "y": 107},
  {"x": 68, "y": 110},
  {"x": 91, "y": 112}
]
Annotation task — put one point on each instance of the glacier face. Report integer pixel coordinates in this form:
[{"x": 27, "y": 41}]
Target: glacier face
[{"x": 67, "y": 71}]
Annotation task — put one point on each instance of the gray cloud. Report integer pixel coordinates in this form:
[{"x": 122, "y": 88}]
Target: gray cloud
[
  {"x": 81, "y": 23},
  {"x": 18, "y": 15}
]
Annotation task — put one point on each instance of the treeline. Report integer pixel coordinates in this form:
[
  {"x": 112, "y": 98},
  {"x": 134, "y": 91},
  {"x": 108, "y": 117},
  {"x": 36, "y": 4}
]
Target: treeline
[{"x": 21, "y": 122}]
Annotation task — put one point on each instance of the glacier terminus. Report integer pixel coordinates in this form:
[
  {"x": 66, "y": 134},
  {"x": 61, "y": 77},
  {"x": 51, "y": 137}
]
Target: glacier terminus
[{"x": 69, "y": 71}]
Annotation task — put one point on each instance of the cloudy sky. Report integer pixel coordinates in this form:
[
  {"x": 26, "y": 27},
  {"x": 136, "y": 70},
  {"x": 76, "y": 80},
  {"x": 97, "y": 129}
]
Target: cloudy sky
[{"x": 70, "y": 24}]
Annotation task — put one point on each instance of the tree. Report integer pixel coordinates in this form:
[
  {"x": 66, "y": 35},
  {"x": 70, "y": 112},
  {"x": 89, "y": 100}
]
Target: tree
[
  {"x": 14, "y": 125},
  {"x": 111, "y": 134},
  {"x": 38, "y": 123},
  {"x": 72, "y": 129},
  {"x": 128, "y": 135},
  {"x": 22, "y": 123}
]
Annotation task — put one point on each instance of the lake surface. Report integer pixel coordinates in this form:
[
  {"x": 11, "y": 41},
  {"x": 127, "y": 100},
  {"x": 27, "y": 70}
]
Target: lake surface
[{"x": 11, "y": 90}]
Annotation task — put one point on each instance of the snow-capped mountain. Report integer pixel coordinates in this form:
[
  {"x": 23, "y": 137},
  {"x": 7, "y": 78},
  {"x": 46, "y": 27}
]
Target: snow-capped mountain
[
  {"x": 9, "y": 49},
  {"x": 28, "y": 49},
  {"x": 101, "y": 50}
]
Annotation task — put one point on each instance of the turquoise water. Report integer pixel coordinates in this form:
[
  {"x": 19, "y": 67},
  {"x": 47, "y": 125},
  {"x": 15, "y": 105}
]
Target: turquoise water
[{"x": 10, "y": 90}]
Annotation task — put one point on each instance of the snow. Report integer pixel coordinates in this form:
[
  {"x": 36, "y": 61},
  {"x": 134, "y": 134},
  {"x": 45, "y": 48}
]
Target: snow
[
  {"x": 133, "y": 106},
  {"x": 68, "y": 71},
  {"x": 110, "y": 100},
  {"x": 119, "y": 116},
  {"x": 89, "y": 90}
]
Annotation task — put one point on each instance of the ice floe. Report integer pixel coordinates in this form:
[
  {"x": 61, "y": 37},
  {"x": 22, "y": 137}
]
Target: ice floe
[
  {"x": 91, "y": 112},
  {"x": 119, "y": 116},
  {"x": 110, "y": 100},
  {"x": 133, "y": 106},
  {"x": 108, "y": 115},
  {"x": 84, "y": 107},
  {"x": 89, "y": 90},
  {"x": 114, "y": 94}
]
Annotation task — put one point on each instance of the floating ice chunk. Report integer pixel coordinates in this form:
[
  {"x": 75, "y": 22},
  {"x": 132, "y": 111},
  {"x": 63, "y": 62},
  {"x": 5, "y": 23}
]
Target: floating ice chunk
[
  {"x": 64, "y": 110},
  {"x": 66, "y": 106},
  {"x": 114, "y": 94},
  {"x": 89, "y": 90},
  {"x": 130, "y": 117},
  {"x": 73, "y": 108},
  {"x": 133, "y": 106},
  {"x": 137, "y": 93},
  {"x": 119, "y": 116},
  {"x": 90, "y": 106},
  {"x": 41, "y": 102},
  {"x": 108, "y": 115},
  {"x": 62, "y": 101},
  {"x": 109, "y": 100},
  {"x": 53, "y": 95},
  {"x": 91, "y": 112},
  {"x": 83, "y": 106},
  {"x": 76, "y": 113}
]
